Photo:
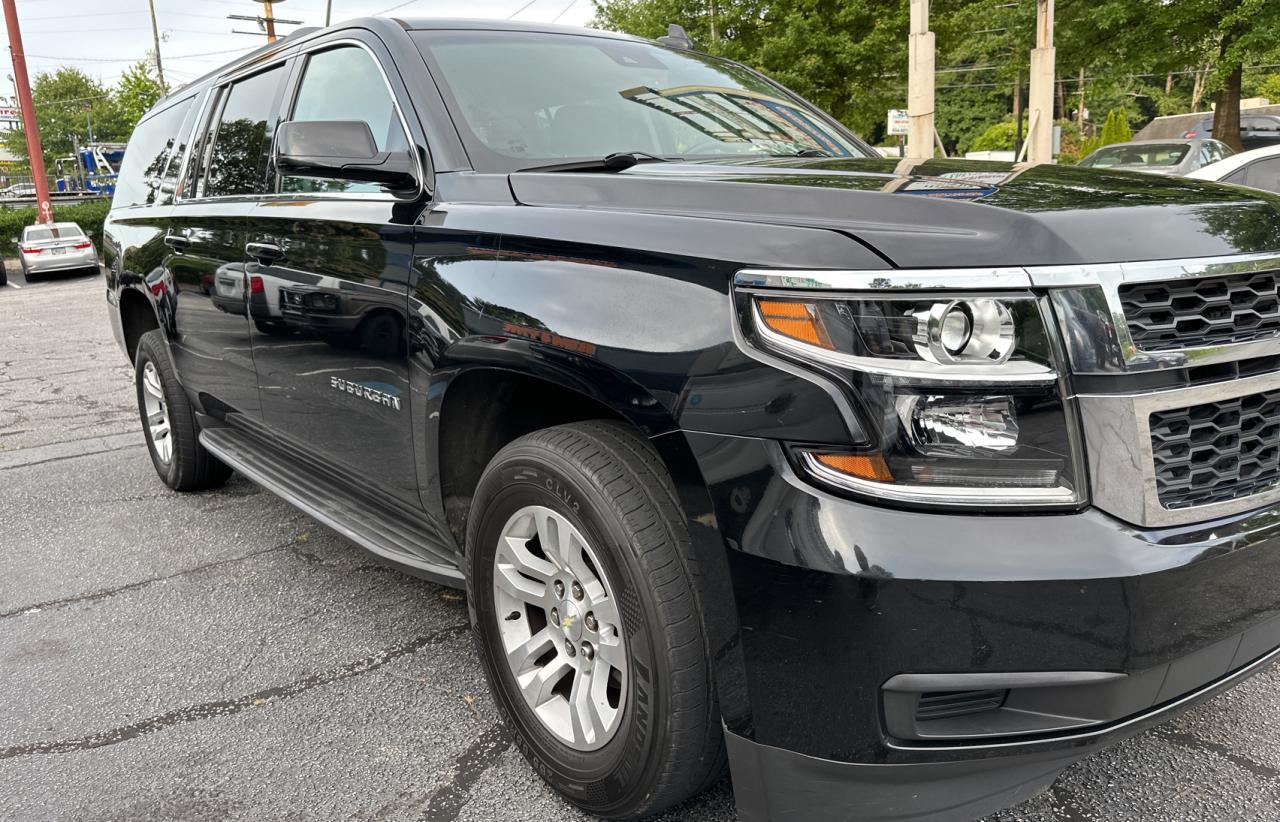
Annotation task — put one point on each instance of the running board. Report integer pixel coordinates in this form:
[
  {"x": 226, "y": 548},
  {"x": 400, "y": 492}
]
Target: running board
[{"x": 385, "y": 530}]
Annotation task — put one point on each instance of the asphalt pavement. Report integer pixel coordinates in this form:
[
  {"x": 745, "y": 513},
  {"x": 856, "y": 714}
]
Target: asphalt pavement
[{"x": 221, "y": 656}]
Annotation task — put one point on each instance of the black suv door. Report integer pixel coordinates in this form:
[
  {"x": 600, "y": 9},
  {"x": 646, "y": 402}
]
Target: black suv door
[
  {"x": 333, "y": 258},
  {"x": 208, "y": 231}
]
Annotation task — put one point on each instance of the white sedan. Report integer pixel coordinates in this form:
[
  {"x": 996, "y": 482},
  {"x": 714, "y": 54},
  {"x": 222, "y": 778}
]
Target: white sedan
[{"x": 1259, "y": 168}]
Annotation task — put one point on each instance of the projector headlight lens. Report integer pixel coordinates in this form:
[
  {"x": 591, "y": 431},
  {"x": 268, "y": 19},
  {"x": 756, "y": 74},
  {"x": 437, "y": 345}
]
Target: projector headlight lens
[{"x": 961, "y": 394}]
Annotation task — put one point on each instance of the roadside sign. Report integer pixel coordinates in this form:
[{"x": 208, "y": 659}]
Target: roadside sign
[{"x": 898, "y": 121}]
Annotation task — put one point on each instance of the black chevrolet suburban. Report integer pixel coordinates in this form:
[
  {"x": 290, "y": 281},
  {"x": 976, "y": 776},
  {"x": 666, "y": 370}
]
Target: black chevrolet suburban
[{"x": 892, "y": 486}]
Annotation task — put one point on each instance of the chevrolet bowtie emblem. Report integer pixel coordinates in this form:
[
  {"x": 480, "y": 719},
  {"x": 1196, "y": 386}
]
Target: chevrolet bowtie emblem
[{"x": 567, "y": 622}]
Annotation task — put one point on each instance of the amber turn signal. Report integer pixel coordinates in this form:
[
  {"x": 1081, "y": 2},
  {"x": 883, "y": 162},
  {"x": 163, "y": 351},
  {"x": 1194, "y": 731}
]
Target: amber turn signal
[
  {"x": 865, "y": 466},
  {"x": 797, "y": 320}
]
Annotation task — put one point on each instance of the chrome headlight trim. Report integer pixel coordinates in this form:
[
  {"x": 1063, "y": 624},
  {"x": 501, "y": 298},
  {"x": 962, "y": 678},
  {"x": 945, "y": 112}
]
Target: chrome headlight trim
[
  {"x": 1081, "y": 294},
  {"x": 892, "y": 279},
  {"x": 1009, "y": 373},
  {"x": 949, "y": 495}
]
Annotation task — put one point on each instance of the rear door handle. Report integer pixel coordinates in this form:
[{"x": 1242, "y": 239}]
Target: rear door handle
[
  {"x": 265, "y": 253},
  {"x": 177, "y": 242}
]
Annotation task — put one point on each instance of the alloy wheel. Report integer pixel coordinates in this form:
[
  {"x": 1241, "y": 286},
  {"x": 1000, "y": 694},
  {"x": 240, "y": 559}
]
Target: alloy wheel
[
  {"x": 560, "y": 627},
  {"x": 157, "y": 413}
]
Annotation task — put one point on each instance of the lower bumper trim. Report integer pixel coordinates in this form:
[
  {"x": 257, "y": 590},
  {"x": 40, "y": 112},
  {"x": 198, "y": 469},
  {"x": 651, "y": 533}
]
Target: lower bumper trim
[
  {"x": 962, "y": 783},
  {"x": 774, "y": 785}
]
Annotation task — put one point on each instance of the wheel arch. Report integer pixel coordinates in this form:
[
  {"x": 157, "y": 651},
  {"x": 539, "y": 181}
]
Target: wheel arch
[
  {"x": 484, "y": 407},
  {"x": 138, "y": 315}
]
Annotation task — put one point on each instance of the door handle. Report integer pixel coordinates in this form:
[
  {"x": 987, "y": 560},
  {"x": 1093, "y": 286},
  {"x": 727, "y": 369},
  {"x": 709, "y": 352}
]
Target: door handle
[
  {"x": 265, "y": 253},
  {"x": 178, "y": 242}
]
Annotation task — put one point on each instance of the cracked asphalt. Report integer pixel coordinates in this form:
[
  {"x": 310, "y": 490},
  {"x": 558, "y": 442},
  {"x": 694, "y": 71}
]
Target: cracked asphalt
[{"x": 222, "y": 656}]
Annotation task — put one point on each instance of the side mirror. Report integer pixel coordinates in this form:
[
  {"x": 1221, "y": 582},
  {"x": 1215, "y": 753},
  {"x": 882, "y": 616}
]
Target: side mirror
[{"x": 340, "y": 150}]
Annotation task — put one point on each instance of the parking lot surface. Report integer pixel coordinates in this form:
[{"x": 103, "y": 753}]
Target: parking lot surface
[{"x": 222, "y": 656}]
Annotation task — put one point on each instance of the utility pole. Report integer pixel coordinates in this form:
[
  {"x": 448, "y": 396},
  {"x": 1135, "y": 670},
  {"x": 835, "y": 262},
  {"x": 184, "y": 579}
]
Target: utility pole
[
  {"x": 29, "y": 125},
  {"x": 269, "y": 17},
  {"x": 1080, "y": 108},
  {"x": 155, "y": 35},
  {"x": 1040, "y": 97},
  {"x": 920, "y": 82},
  {"x": 266, "y": 21},
  {"x": 328, "y": 12},
  {"x": 1017, "y": 114}
]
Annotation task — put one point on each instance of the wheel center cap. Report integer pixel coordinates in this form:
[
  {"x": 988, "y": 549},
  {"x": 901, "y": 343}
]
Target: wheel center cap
[{"x": 570, "y": 620}]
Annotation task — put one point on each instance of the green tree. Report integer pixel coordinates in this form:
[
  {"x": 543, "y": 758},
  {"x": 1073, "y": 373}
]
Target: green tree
[
  {"x": 1116, "y": 129},
  {"x": 136, "y": 93},
  {"x": 997, "y": 137},
  {"x": 846, "y": 56},
  {"x": 1145, "y": 57},
  {"x": 67, "y": 101},
  {"x": 1156, "y": 36},
  {"x": 1267, "y": 86}
]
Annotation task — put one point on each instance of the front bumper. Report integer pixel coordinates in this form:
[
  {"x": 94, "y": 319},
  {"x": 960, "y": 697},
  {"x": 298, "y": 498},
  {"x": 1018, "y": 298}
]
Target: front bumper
[{"x": 837, "y": 598}]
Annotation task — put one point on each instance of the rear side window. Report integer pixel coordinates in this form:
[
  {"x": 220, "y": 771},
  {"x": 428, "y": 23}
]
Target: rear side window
[
  {"x": 346, "y": 84},
  {"x": 147, "y": 157},
  {"x": 237, "y": 160},
  {"x": 1263, "y": 174}
]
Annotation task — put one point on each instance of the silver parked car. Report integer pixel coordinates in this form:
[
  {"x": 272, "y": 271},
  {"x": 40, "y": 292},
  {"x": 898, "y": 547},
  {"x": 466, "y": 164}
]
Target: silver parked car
[
  {"x": 1259, "y": 168},
  {"x": 53, "y": 247},
  {"x": 1175, "y": 158}
]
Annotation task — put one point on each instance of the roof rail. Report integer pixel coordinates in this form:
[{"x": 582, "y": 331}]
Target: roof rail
[{"x": 676, "y": 38}]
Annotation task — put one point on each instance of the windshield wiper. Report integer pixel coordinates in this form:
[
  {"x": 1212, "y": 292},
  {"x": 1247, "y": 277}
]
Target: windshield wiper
[{"x": 618, "y": 161}]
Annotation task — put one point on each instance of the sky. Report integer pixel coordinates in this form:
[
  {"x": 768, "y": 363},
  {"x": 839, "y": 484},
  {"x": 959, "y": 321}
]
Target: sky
[{"x": 104, "y": 38}]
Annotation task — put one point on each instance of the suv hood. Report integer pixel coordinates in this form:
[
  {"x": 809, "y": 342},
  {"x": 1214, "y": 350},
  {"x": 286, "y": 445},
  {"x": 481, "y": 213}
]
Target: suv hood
[{"x": 943, "y": 213}]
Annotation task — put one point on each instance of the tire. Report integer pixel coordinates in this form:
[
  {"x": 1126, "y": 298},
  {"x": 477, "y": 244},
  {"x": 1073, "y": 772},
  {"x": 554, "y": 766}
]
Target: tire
[
  {"x": 4, "y": 274},
  {"x": 184, "y": 465},
  {"x": 381, "y": 334},
  {"x": 612, "y": 490}
]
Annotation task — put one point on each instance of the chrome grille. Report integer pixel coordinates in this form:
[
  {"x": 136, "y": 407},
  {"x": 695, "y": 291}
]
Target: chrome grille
[
  {"x": 1168, "y": 315},
  {"x": 1217, "y": 451}
]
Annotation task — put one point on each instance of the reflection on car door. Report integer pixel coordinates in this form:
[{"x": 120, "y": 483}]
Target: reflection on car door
[
  {"x": 213, "y": 351},
  {"x": 333, "y": 259}
]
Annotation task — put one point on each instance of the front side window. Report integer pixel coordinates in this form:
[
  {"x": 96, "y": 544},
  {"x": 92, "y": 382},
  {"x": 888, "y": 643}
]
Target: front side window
[
  {"x": 237, "y": 160},
  {"x": 524, "y": 99},
  {"x": 151, "y": 145},
  {"x": 346, "y": 84}
]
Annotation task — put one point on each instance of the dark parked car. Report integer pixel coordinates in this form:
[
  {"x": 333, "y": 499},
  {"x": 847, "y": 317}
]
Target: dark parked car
[
  {"x": 906, "y": 484},
  {"x": 1256, "y": 130}
]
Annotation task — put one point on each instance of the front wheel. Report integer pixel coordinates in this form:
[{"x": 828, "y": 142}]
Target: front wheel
[
  {"x": 169, "y": 423},
  {"x": 581, "y": 582}
]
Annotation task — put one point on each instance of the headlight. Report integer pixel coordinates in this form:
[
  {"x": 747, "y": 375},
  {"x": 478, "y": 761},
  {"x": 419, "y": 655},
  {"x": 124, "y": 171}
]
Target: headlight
[{"x": 962, "y": 393}]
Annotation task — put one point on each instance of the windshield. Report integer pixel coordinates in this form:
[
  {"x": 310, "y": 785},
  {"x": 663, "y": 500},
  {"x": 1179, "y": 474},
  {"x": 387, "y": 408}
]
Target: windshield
[
  {"x": 1161, "y": 155},
  {"x": 528, "y": 99}
]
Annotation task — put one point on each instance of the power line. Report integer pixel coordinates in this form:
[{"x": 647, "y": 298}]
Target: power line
[
  {"x": 132, "y": 59},
  {"x": 121, "y": 13},
  {"x": 394, "y": 8},
  {"x": 572, "y": 3},
  {"x": 522, "y": 8}
]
